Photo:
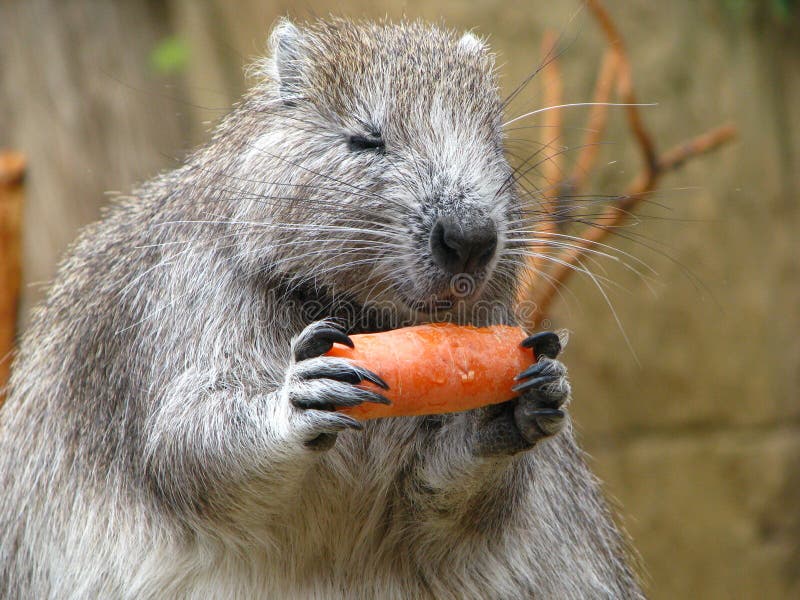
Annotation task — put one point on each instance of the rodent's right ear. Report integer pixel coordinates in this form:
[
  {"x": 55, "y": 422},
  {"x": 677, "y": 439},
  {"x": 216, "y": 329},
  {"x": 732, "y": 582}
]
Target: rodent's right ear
[{"x": 288, "y": 56}]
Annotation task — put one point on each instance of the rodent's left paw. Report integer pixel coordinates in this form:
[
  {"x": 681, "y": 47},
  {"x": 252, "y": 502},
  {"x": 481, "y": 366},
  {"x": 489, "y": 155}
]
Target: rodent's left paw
[
  {"x": 538, "y": 412},
  {"x": 544, "y": 391}
]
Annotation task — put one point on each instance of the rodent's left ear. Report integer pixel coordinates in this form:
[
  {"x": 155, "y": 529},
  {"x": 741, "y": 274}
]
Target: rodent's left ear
[{"x": 288, "y": 57}]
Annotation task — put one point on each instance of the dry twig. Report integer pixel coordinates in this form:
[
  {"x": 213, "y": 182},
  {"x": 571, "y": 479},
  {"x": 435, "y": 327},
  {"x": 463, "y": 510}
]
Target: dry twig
[
  {"x": 598, "y": 118},
  {"x": 550, "y": 133},
  {"x": 615, "y": 67},
  {"x": 12, "y": 174}
]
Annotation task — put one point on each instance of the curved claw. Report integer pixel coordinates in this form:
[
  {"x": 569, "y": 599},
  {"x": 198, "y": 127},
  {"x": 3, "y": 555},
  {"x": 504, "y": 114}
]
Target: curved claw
[
  {"x": 338, "y": 421},
  {"x": 535, "y": 383},
  {"x": 536, "y": 423},
  {"x": 357, "y": 375},
  {"x": 332, "y": 394},
  {"x": 546, "y": 343},
  {"x": 545, "y": 366},
  {"x": 547, "y": 412},
  {"x": 329, "y": 425},
  {"x": 319, "y": 341},
  {"x": 338, "y": 370}
]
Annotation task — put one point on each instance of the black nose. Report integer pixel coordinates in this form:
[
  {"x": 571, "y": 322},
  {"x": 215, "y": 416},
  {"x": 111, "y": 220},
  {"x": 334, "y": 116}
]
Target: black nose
[{"x": 463, "y": 246}]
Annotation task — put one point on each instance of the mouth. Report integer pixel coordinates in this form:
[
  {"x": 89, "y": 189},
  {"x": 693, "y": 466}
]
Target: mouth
[
  {"x": 413, "y": 296},
  {"x": 461, "y": 291},
  {"x": 409, "y": 305},
  {"x": 431, "y": 305}
]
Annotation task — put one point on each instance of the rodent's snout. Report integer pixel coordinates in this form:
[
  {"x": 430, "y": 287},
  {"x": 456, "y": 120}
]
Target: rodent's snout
[{"x": 460, "y": 246}]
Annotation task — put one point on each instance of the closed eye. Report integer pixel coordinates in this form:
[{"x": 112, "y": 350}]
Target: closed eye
[{"x": 361, "y": 143}]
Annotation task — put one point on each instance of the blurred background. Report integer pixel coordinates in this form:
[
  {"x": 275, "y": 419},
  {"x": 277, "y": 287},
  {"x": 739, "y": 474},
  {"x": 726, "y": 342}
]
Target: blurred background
[{"x": 695, "y": 429}]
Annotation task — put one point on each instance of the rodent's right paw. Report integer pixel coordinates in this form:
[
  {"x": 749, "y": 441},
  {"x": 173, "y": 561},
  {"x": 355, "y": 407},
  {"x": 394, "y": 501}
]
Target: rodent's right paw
[{"x": 318, "y": 385}]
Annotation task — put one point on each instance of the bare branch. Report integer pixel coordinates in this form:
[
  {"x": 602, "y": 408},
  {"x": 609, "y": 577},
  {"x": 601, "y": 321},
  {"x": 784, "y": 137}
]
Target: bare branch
[
  {"x": 12, "y": 174},
  {"x": 615, "y": 215},
  {"x": 551, "y": 131},
  {"x": 615, "y": 65},
  {"x": 553, "y": 121},
  {"x": 596, "y": 124}
]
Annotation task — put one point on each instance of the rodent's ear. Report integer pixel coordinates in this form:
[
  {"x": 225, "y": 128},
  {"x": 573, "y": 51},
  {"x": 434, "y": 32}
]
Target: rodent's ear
[
  {"x": 288, "y": 57},
  {"x": 472, "y": 43}
]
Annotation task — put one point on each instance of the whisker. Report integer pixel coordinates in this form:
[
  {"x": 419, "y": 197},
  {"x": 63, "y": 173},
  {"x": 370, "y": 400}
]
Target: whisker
[
  {"x": 553, "y": 258},
  {"x": 262, "y": 225},
  {"x": 577, "y": 104},
  {"x": 324, "y": 175},
  {"x": 355, "y": 192},
  {"x": 593, "y": 243}
]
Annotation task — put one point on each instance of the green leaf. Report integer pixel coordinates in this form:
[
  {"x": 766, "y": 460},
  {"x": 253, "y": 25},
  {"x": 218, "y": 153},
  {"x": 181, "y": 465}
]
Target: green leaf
[{"x": 170, "y": 56}]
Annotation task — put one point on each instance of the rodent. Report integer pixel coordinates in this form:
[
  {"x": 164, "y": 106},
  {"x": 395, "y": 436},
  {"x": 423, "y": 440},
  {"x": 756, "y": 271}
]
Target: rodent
[{"x": 168, "y": 431}]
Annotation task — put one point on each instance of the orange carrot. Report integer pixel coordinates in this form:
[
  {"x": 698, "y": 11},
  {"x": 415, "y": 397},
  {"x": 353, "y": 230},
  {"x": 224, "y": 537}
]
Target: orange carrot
[{"x": 438, "y": 368}]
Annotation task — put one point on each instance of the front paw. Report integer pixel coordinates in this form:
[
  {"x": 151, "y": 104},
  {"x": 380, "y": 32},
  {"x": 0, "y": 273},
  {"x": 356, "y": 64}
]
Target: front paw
[
  {"x": 543, "y": 392},
  {"x": 316, "y": 385},
  {"x": 537, "y": 412}
]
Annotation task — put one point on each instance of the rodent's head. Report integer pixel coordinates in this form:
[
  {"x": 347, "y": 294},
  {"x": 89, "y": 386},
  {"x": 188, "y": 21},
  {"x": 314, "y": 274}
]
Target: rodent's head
[{"x": 379, "y": 147}]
